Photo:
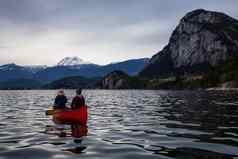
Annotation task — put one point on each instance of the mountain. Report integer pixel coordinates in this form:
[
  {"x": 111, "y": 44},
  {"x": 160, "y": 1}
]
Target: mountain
[
  {"x": 131, "y": 67},
  {"x": 34, "y": 68},
  {"x": 13, "y": 71},
  {"x": 114, "y": 80},
  {"x": 202, "y": 40},
  {"x": 120, "y": 80},
  {"x": 71, "y": 83},
  {"x": 57, "y": 72},
  {"x": 72, "y": 61},
  {"x": 20, "y": 84},
  {"x": 67, "y": 67}
]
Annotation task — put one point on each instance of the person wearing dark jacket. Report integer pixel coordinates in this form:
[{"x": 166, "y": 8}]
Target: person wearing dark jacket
[
  {"x": 78, "y": 100},
  {"x": 60, "y": 100}
]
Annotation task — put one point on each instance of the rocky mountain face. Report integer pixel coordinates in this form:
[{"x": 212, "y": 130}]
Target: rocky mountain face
[
  {"x": 203, "y": 39},
  {"x": 114, "y": 80},
  {"x": 120, "y": 80}
]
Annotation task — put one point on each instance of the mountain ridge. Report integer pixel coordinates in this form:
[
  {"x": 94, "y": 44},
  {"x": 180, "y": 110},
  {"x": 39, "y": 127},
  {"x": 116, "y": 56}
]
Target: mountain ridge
[{"x": 49, "y": 74}]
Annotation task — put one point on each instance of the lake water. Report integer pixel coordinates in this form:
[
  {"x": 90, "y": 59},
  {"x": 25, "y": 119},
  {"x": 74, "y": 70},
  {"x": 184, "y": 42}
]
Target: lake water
[{"x": 122, "y": 124}]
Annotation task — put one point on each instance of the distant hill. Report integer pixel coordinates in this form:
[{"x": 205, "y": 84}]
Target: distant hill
[
  {"x": 57, "y": 72},
  {"x": 13, "y": 71},
  {"x": 68, "y": 67},
  {"x": 131, "y": 67},
  {"x": 34, "y": 68},
  {"x": 21, "y": 84},
  {"x": 71, "y": 83}
]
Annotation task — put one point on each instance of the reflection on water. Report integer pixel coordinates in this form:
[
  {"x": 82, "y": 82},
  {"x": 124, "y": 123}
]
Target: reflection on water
[
  {"x": 122, "y": 124},
  {"x": 76, "y": 131}
]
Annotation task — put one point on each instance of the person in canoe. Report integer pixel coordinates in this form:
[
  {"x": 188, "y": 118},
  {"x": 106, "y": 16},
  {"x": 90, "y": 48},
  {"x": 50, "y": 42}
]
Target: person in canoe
[
  {"x": 60, "y": 100},
  {"x": 78, "y": 100}
]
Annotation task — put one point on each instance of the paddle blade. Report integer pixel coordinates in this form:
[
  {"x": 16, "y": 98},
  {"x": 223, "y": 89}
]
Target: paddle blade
[{"x": 49, "y": 112}]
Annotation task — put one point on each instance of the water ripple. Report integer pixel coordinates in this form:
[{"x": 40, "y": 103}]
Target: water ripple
[{"x": 122, "y": 124}]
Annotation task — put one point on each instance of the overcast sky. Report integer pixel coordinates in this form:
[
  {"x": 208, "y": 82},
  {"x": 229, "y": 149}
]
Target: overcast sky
[{"x": 100, "y": 31}]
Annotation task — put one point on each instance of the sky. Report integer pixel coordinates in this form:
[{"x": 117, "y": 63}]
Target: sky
[{"x": 42, "y": 32}]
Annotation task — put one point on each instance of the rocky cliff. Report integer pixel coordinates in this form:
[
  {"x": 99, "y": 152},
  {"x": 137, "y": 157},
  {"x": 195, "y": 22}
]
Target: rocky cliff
[
  {"x": 203, "y": 39},
  {"x": 114, "y": 80}
]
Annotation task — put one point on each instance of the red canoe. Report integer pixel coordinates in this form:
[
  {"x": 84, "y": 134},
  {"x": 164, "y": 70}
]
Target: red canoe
[{"x": 79, "y": 116}]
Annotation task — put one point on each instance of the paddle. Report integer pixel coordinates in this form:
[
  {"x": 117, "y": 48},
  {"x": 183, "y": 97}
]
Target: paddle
[
  {"x": 52, "y": 111},
  {"x": 49, "y": 112}
]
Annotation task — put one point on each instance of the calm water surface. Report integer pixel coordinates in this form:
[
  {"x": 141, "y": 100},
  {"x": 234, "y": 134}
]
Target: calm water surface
[{"x": 122, "y": 124}]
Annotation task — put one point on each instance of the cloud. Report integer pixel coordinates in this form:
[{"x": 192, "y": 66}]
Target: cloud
[{"x": 45, "y": 31}]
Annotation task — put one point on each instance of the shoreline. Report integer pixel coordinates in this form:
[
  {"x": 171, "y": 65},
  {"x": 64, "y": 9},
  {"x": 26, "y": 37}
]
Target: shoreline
[{"x": 197, "y": 89}]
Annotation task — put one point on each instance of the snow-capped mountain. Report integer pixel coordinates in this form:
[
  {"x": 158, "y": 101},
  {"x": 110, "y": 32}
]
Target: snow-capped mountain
[
  {"x": 66, "y": 68},
  {"x": 131, "y": 67},
  {"x": 72, "y": 61}
]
